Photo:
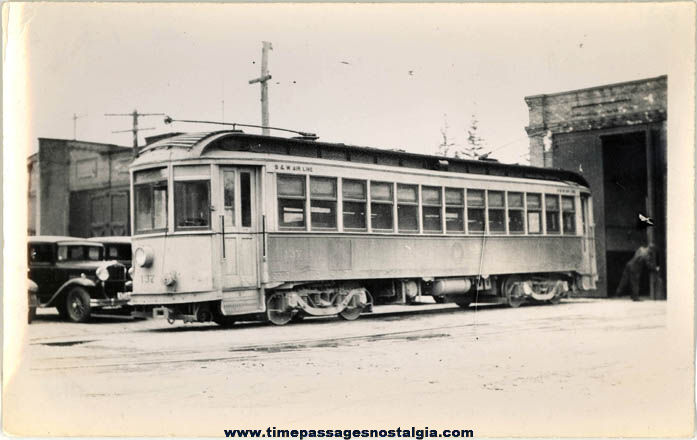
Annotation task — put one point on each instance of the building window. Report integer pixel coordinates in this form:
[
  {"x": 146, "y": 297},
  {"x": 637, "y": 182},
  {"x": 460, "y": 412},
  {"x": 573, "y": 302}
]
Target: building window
[
  {"x": 454, "y": 210},
  {"x": 192, "y": 208},
  {"x": 150, "y": 200},
  {"x": 323, "y": 202},
  {"x": 381, "y": 203},
  {"x": 86, "y": 168},
  {"x": 534, "y": 209},
  {"x": 568, "y": 215},
  {"x": 432, "y": 202},
  {"x": 407, "y": 208},
  {"x": 497, "y": 213},
  {"x": 516, "y": 213},
  {"x": 475, "y": 210},
  {"x": 354, "y": 201},
  {"x": 552, "y": 213},
  {"x": 291, "y": 201}
]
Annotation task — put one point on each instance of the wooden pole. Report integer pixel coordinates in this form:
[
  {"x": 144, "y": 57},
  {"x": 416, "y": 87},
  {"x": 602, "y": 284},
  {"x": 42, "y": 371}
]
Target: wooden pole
[{"x": 263, "y": 80}]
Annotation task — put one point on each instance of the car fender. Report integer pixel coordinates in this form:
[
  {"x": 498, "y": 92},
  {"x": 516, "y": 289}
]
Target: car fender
[{"x": 84, "y": 282}]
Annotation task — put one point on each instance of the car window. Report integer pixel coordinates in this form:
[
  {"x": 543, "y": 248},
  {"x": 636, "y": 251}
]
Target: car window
[
  {"x": 79, "y": 253},
  {"x": 118, "y": 251},
  {"x": 40, "y": 253}
]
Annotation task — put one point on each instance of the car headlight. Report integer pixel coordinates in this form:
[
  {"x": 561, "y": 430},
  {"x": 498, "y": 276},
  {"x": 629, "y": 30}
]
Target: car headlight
[
  {"x": 102, "y": 273},
  {"x": 143, "y": 256},
  {"x": 131, "y": 272}
]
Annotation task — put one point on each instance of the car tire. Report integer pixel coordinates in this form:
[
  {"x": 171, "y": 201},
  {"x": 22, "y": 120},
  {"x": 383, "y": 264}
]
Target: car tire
[
  {"x": 33, "y": 301},
  {"x": 77, "y": 305}
]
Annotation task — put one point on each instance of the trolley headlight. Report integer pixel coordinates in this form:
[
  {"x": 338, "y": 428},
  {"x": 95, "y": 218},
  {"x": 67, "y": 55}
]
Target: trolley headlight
[
  {"x": 102, "y": 273},
  {"x": 144, "y": 256}
]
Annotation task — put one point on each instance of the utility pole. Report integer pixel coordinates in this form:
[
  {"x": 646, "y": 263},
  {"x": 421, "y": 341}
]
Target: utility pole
[
  {"x": 75, "y": 118},
  {"x": 265, "y": 76},
  {"x": 135, "y": 115}
]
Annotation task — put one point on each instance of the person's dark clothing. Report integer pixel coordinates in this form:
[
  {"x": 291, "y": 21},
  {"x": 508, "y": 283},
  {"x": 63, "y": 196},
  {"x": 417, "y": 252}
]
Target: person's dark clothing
[{"x": 631, "y": 275}]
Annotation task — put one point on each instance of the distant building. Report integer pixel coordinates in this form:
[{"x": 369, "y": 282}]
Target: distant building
[
  {"x": 79, "y": 188},
  {"x": 615, "y": 136}
]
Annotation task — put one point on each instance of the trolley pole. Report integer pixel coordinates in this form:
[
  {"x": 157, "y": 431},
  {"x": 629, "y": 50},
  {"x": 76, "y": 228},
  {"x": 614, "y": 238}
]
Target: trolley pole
[
  {"x": 135, "y": 115},
  {"x": 263, "y": 79}
]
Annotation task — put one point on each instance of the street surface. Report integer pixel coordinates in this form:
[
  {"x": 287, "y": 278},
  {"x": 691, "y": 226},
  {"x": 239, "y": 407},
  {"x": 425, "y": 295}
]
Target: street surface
[{"x": 584, "y": 367}]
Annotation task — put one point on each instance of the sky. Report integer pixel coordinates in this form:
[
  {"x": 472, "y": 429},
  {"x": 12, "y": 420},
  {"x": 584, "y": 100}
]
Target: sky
[{"x": 379, "y": 75}]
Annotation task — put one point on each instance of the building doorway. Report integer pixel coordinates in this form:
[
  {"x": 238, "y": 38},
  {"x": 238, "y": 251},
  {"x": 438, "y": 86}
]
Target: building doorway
[{"x": 625, "y": 183}]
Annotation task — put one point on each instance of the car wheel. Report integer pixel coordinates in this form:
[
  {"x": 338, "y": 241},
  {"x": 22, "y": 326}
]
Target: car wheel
[
  {"x": 33, "y": 301},
  {"x": 77, "y": 304}
]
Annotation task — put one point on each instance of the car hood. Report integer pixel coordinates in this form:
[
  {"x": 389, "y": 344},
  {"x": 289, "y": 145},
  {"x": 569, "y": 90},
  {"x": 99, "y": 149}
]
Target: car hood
[{"x": 85, "y": 265}]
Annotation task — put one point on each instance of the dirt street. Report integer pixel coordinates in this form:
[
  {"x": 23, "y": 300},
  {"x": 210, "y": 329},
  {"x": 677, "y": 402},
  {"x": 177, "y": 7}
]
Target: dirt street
[{"x": 583, "y": 367}]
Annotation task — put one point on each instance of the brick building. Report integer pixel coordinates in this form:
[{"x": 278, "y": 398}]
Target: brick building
[
  {"x": 615, "y": 136},
  {"x": 79, "y": 188}
]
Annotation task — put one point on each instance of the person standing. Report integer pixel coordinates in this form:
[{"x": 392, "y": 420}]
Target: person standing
[{"x": 644, "y": 258}]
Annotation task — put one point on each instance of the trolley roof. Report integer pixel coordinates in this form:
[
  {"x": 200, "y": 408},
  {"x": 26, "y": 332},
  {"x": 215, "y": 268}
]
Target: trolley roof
[{"x": 194, "y": 145}]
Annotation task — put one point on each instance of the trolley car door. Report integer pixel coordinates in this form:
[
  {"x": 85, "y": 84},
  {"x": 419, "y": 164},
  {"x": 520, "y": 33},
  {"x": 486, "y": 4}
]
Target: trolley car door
[{"x": 238, "y": 228}]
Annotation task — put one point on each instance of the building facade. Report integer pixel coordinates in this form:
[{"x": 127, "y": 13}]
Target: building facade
[
  {"x": 79, "y": 188},
  {"x": 615, "y": 136}
]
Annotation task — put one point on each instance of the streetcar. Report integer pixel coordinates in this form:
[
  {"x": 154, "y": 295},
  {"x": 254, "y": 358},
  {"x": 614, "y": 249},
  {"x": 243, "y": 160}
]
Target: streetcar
[{"x": 231, "y": 226}]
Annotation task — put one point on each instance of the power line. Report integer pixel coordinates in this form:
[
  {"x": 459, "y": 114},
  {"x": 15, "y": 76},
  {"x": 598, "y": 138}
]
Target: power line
[{"x": 135, "y": 115}]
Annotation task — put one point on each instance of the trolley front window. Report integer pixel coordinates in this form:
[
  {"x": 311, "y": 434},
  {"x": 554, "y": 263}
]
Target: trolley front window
[
  {"x": 150, "y": 200},
  {"x": 191, "y": 204},
  {"x": 291, "y": 201}
]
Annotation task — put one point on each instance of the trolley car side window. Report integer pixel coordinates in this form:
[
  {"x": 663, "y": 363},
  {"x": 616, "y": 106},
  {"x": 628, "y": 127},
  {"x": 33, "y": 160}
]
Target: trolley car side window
[
  {"x": 323, "y": 202},
  {"x": 497, "y": 214},
  {"x": 381, "y": 202},
  {"x": 568, "y": 214},
  {"x": 516, "y": 224},
  {"x": 291, "y": 201},
  {"x": 475, "y": 210},
  {"x": 552, "y": 213},
  {"x": 355, "y": 199},
  {"x": 534, "y": 207},
  {"x": 454, "y": 210},
  {"x": 150, "y": 192},
  {"x": 192, "y": 204},
  {"x": 407, "y": 208},
  {"x": 432, "y": 204}
]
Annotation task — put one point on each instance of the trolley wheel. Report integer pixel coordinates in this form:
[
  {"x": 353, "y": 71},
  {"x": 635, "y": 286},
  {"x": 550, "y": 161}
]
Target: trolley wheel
[
  {"x": 351, "y": 313},
  {"x": 514, "y": 296},
  {"x": 77, "y": 304},
  {"x": 218, "y": 317},
  {"x": 440, "y": 299},
  {"x": 276, "y": 310}
]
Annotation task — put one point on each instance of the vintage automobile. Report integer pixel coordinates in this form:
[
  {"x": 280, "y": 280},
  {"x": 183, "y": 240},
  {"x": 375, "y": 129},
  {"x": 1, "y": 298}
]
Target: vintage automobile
[
  {"x": 73, "y": 277},
  {"x": 116, "y": 248}
]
